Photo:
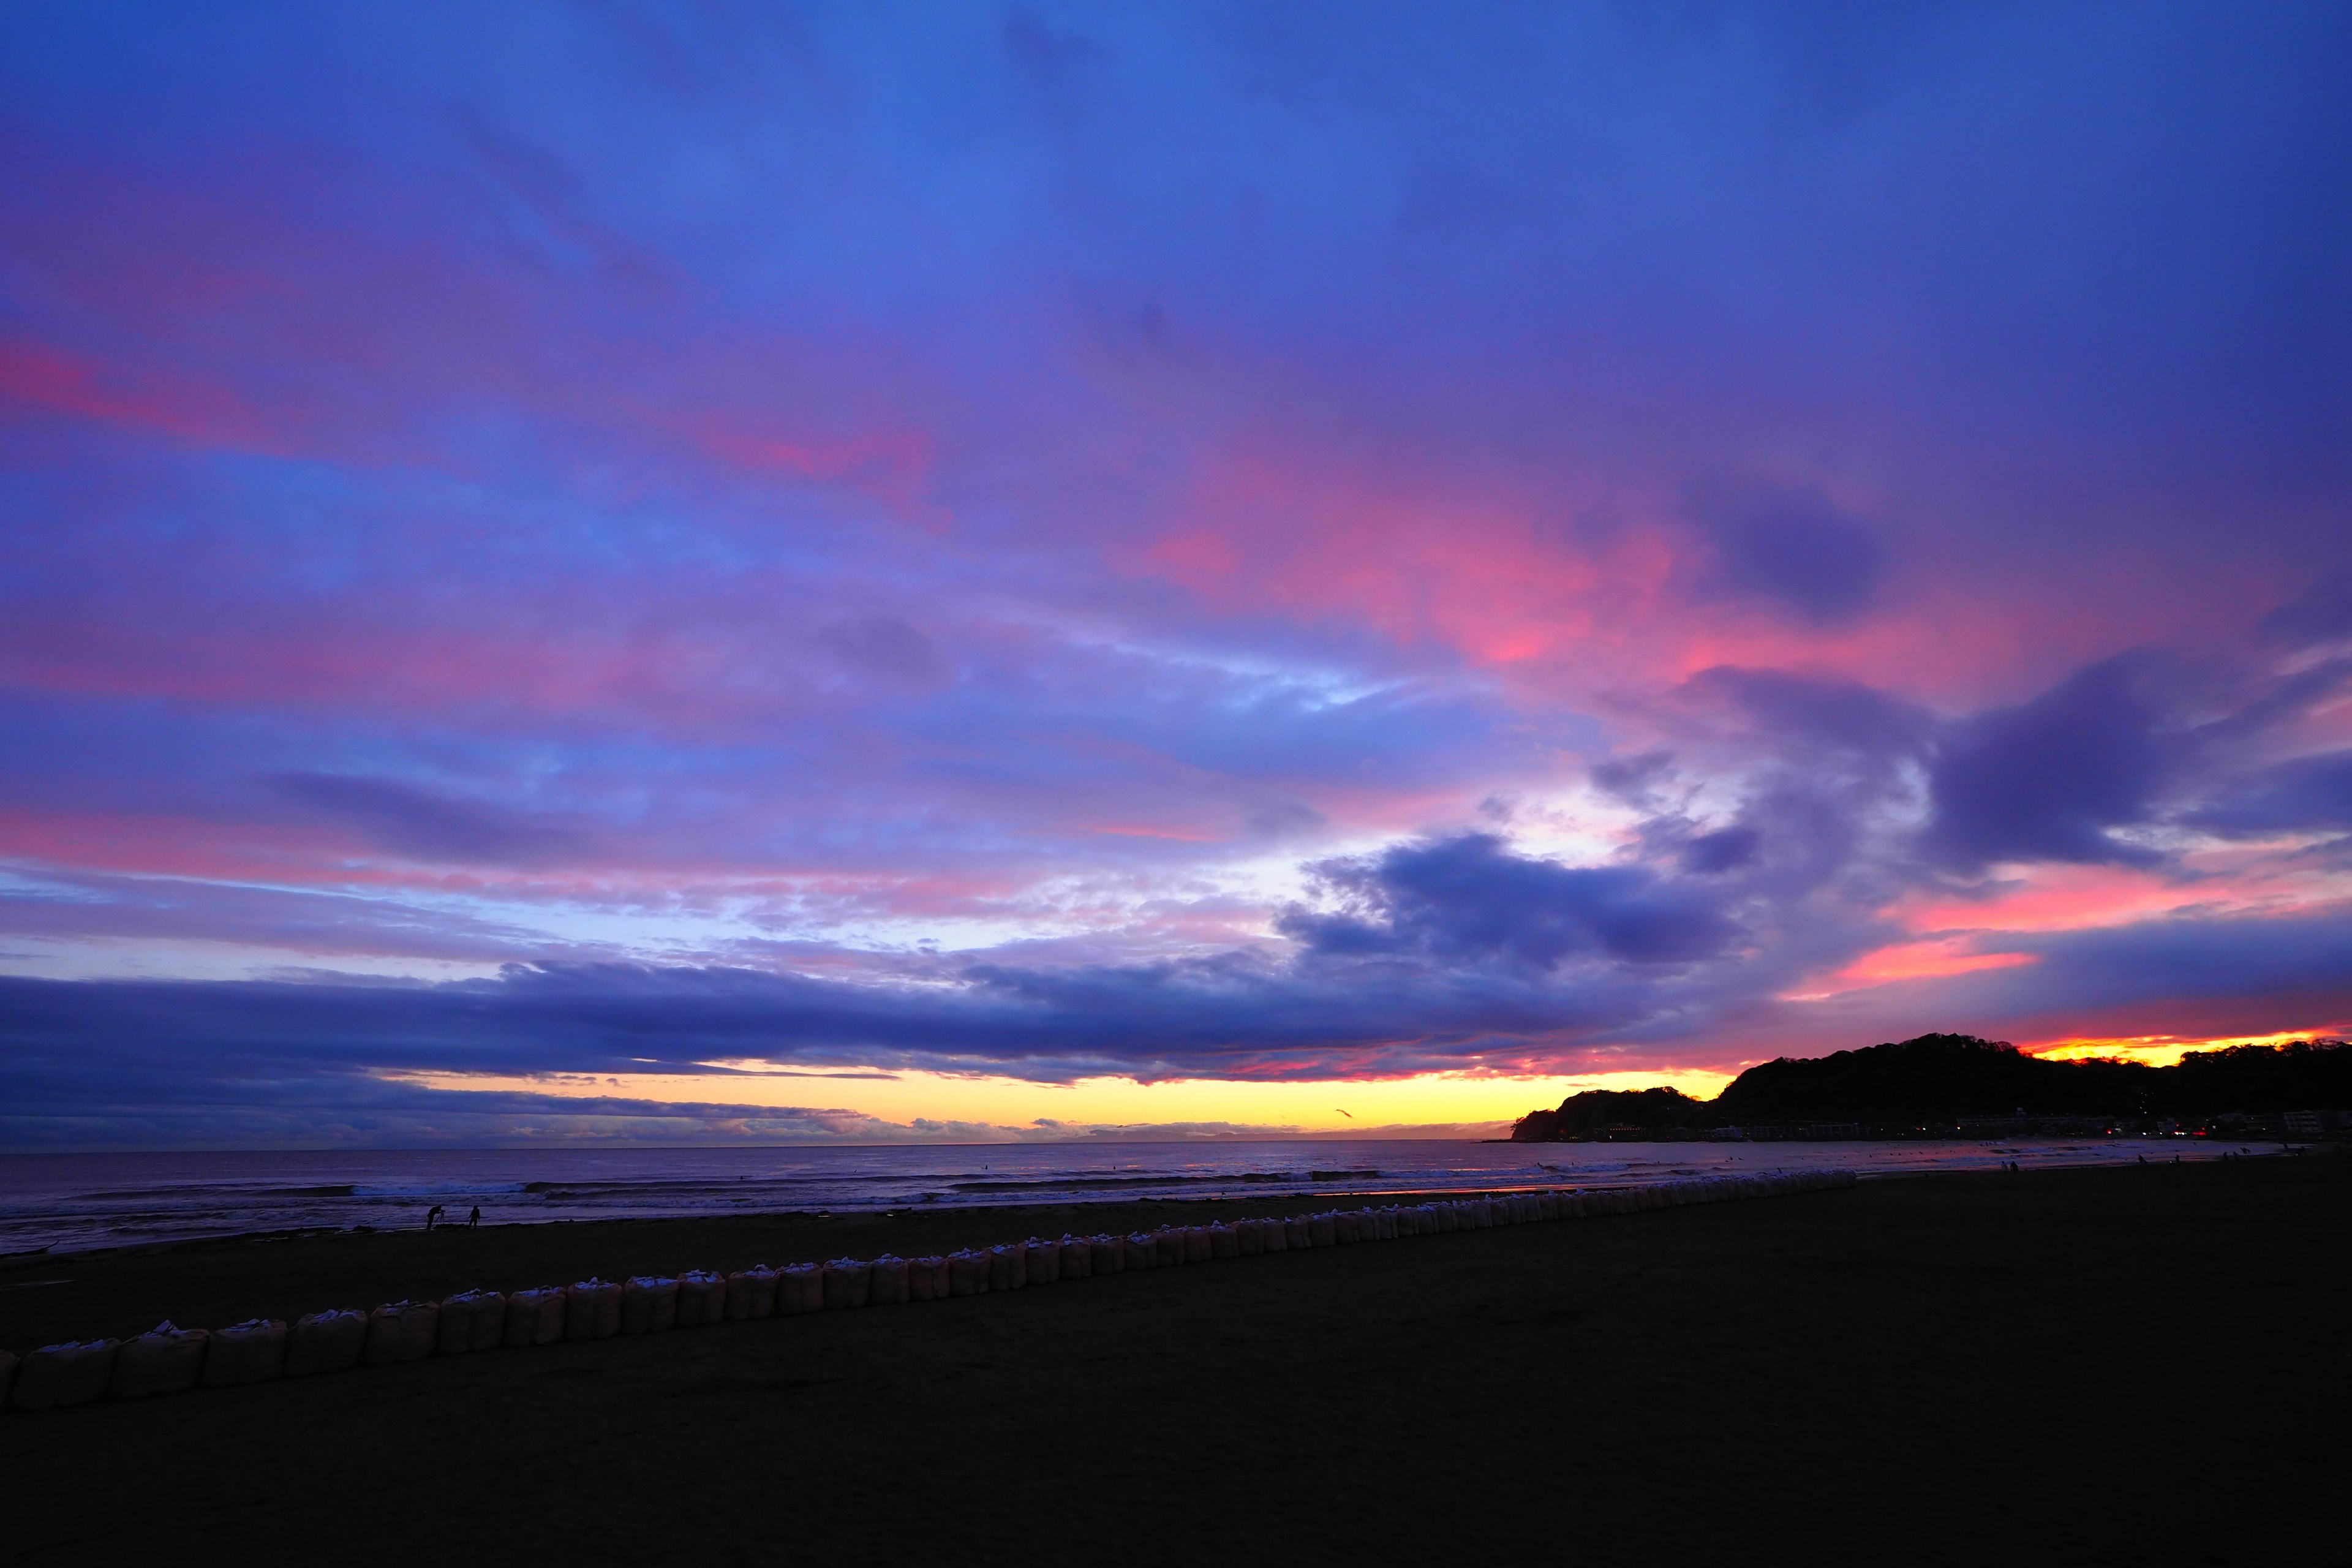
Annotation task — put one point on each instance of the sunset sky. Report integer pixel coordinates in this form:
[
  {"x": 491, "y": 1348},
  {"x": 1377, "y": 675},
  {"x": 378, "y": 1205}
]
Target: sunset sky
[{"x": 872, "y": 572}]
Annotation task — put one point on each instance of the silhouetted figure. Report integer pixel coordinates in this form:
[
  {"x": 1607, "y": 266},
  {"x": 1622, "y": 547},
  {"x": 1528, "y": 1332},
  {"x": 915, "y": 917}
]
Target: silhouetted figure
[
  {"x": 474, "y": 1218},
  {"x": 431, "y": 1215}
]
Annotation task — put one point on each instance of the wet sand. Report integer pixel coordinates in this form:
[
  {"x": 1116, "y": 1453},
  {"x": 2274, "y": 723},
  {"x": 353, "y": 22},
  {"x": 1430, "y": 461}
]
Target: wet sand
[{"x": 2144, "y": 1365}]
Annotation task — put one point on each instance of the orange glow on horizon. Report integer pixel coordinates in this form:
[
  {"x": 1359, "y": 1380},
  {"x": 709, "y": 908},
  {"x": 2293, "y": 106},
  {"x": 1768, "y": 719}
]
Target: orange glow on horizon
[
  {"x": 2165, "y": 1050},
  {"x": 968, "y": 1108}
]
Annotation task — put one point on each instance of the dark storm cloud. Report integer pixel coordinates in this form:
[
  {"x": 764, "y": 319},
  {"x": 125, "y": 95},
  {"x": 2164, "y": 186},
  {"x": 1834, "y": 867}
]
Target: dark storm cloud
[
  {"x": 1469, "y": 899},
  {"x": 2306, "y": 792},
  {"x": 1813, "y": 714},
  {"x": 1726, "y": 849},
  {"x": 428, "y": 826},
  {"x": 337, "y": 925},
  {"x": 2300, "y": 963},
  {"x": 1798, "y": 552},
  {"x": 2052, "y": 779},
  {"x": 2321, "y": 613}
]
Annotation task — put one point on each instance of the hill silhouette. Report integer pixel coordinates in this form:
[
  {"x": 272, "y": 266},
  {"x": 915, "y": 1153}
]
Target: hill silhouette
[{"x": 1940, "y": 1079}]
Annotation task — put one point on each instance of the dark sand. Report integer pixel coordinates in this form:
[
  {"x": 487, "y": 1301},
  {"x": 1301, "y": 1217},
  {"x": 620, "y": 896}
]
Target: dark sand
[{"x": 2147, "y": 1365}]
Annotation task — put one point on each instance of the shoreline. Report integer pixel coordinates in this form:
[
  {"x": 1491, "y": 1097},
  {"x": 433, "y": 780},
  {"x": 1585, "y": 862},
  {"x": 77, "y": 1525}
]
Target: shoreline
[{"x": 1702, "y": 1160}]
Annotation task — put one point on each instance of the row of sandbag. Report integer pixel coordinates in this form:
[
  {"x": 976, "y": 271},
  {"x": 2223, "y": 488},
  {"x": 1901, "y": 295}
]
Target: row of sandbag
[{"x": 168, "y": 1359}]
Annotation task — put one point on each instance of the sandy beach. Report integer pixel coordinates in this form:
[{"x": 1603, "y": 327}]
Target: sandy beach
[{"x": 2122, "y": 1365}]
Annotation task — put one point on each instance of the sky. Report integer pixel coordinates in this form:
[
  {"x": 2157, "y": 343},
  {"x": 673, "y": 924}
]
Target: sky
[{"x": 874, "y": 572}]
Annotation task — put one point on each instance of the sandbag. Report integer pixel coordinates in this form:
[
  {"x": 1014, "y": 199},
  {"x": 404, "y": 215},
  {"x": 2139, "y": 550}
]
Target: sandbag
[
  {"x": 1008, "y": 1267},
  {"x": 1297, "y": 1234},
  {"x": 534, "y": 1317},
  {"x": 800, "y": 1289},
  {"x": 1322, "y": 1230},
  {"x": 1196, "y": 1244},
  {"x": 464, "y": 1318},
  {"x": 648, "y": 1304},
  {"x": 847, "y": 1282},
  {"x": 1224, "y": 1241},
  {"x": 55, "y": 1376},
  {"x": 701, "y": 1299},
  {"x": 1248, "y": 1239},
  {"x": 1139, "y": 1252},
  {"x": 922, "y": 1278},
  {"x": 250, "y": 1352},
  {"x": 967, "y": 1273},
  {"x": 886, "y": 1286},
  {"x": 1273, "y": 1237},
  {"x": 1168, "y": 1247},
  {"x": 401, "y": 1332},
  {"x": 1044, "y": 1262},
  {"x": 750, "y": 1293},
  {"x": 165, "y": 1360},
  {"x": 1109, "y": 1255},
  {"x": 1078, "y": 1258},
  {"x": 1346, "y": 1227},
  {"x": 325, "y": 1342},
  {"x": 592, "y": 1310}
]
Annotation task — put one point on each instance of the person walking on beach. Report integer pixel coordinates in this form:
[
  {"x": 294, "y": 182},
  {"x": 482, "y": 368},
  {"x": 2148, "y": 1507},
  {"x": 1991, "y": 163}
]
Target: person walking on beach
[
  {"x": 474, "y": 1219},
  {"x": 432, "y": 1214}
]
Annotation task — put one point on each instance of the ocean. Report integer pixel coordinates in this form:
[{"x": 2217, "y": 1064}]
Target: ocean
[{"x": 66, "y": 1203}]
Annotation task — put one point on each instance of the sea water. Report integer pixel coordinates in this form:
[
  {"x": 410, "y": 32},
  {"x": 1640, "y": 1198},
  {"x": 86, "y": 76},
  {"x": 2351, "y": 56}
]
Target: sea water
[{"x": 68, "y": 1201}]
